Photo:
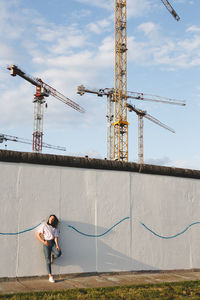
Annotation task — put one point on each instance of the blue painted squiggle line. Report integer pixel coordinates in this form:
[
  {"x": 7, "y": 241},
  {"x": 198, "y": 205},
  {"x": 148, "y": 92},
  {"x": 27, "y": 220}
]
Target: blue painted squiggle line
[
  {"x": 97, "y": 235},
  {"x": 20, "y": 232},
  {"x": 172, "y": 236}
]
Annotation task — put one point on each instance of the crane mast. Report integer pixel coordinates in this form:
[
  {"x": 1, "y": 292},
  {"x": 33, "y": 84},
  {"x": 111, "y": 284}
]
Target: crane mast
[
  {"x": 110, "y": 93},
  {"x": 120, "y": 124},
  {"x": 142, "y": 113},
  {"x": 42, "y": 90},
  {"x": 110, "y": 117},
  {"x": 39, "y": 100}
]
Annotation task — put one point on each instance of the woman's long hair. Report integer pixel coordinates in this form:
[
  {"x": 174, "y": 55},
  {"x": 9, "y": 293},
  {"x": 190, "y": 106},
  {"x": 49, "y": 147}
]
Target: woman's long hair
[{"x": 55, "y": 221}]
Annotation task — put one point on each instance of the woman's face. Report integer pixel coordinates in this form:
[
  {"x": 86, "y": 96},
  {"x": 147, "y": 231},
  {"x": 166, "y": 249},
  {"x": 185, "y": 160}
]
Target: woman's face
[{"x": 51, "y": 219}]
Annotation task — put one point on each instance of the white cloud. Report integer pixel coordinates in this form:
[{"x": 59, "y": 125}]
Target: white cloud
[
  {"x": 188, "y": 164},
  {"x": 60, "y": 67},
  {"x": 100, "y": 26},
  {"x": 60, "y": 39},
  {"x": 6, "y": 54},
  {"x": 166, "y": 51},
  {"x": 193, "y": 28},
  {"x": 105, "y": 4},
  {"x": 91, "y": 153},
  {"x": 190, "y": 45},
  {"x": 151, "y": 30},
  {"x": 164, "y": 161},
  {"x": 147, "y": 28},
  {"x": 81, "y": 13},
  {"x": 17, "y": 106},
  {"x": 138, "y": 8},
  {"x": 135, "y": 8}
]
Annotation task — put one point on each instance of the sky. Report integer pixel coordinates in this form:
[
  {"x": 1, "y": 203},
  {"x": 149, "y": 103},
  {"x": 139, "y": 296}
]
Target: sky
[{"x": 69, "y": 43}]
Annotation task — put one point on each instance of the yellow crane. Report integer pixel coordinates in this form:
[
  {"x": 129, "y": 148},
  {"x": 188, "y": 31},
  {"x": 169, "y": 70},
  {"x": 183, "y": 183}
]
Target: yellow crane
[
  {"x": 110, "y": 93},
  {"x": 120, "y": 151}
]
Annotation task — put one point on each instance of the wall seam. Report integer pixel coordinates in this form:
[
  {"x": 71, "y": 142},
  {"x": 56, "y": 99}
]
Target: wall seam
[
  {"x": 131, "y": 212},
  {"x": 96, "y": 222},
  {"x": 59, "y": 207},
  {"x": 18, "y": 198}
]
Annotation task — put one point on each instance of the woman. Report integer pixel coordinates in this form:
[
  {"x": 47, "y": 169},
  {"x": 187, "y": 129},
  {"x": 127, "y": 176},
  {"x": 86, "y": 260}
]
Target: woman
[{"x": 48, "y": 235}]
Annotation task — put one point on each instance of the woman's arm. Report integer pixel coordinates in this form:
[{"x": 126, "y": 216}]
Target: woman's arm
[
  {"x": 56, "y": 242},
  {"x": 40, "y": 237}
]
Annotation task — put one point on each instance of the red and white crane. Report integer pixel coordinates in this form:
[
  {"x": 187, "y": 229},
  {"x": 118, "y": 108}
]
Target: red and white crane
[
  {"x": 110, "y": 93},
  {"x": 42, "y": 90},
  {"x": 143, "y": 113},
  {"x": 6, "y": 137}
]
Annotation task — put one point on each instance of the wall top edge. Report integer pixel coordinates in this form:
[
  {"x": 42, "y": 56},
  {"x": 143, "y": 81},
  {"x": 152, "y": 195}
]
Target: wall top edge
[{"x": 93, "y": 163}]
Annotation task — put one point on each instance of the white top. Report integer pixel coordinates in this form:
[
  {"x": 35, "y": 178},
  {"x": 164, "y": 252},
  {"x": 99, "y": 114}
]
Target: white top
[{"x": 48, "y": 232}]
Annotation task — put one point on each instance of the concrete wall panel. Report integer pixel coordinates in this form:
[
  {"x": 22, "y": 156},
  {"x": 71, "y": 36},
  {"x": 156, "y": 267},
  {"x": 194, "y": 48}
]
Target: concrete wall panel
[
  {"x": 78, "y": 206},
  {"x": 9, "y": 216},
  {"x": 165, "y": 207},
  {"x": 39, "y": 197},
  {"x": 113, "y": 205},
  {"x": 92, "y": 201}
]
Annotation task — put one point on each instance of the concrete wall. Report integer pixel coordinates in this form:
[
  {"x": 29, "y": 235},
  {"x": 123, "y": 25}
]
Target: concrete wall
[{"x": 92, "y": 196}]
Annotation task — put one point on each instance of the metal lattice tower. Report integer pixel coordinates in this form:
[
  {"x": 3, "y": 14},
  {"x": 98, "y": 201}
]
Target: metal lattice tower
[
  {"x": 140, "y": 140},
  {"x": 38, "y": 120},
  {"x": 120, "y": 124},
  {"x": 142, "y": 113},
  {"x": 109, "y": 116}
]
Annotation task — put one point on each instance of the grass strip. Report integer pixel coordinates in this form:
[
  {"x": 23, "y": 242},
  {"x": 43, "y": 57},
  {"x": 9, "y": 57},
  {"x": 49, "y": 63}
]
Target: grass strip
[{"x": 165, "y": 291}]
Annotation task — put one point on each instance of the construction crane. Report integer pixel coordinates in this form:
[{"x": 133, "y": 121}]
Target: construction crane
[
  {"x": 5, "y": 138},
  {"x": 142, "y": 113},
  {"x": 120, "y": 151},
  {"x": 171, "y": 10},
  {"x": 110, "y": 93},
  {"x": 81, "y": 90},
  {"x": 42, "y": 90}
]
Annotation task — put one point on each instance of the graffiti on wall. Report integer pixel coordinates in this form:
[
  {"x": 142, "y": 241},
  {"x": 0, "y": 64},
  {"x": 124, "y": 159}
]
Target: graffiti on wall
[{"x": 107, "y": 231}]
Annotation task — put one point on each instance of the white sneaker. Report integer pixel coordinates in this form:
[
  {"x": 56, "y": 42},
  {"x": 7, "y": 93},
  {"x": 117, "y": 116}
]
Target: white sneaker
[{"x": 51, "y": 279}]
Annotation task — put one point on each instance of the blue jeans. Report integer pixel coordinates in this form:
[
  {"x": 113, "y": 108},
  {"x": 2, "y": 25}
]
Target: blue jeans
[{"x": 47, "y": 253}]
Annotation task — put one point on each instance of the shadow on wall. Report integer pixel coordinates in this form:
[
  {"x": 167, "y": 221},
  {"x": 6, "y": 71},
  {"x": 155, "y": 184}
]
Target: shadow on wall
[{"x": 92, "y": 254}]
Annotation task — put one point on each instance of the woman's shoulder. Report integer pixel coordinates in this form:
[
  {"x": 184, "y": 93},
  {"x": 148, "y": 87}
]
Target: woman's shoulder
[{"x": 41, "y": 226}]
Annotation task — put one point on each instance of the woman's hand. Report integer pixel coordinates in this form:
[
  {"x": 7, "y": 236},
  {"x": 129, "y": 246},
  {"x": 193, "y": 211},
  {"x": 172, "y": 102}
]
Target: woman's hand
[
  {"x": 46, "y": 243},
  {"x": 41, "y": 238},
  {"x": 58, "y": 247}
]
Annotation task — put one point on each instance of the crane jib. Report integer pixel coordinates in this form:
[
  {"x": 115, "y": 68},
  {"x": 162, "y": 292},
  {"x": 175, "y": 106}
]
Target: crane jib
[{"x": 14, "y": 70}]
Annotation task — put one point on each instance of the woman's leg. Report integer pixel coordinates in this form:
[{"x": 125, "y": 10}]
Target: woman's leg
[
  {"x": 55, "y": 252},
  {"x": 47, "y": 254}
]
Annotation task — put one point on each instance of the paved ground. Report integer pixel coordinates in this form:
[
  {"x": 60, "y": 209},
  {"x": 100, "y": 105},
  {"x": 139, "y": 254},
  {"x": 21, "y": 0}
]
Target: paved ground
[{"x": 94, "y": 280}]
